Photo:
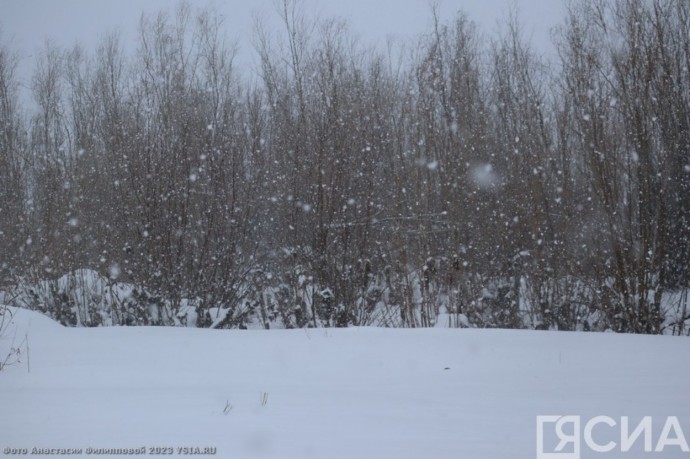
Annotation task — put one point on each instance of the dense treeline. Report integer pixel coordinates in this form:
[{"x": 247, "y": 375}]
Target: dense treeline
[{"x": 458, "y": 176}]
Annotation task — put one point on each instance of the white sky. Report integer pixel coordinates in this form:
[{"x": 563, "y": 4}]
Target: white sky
[{"x": 25, "y": 25}]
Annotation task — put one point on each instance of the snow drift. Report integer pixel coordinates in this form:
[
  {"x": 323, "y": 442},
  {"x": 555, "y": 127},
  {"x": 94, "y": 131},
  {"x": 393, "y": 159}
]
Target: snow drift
[{"x": 336, "y": 393}]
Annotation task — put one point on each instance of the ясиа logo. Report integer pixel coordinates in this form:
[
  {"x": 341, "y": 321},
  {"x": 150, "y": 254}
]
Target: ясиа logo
[{"x": 565, "y": 437}]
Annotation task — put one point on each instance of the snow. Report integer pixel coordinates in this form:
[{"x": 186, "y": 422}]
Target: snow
[
  {"x": 327, "y": 393},
  {"x": 484, "y": 177},
  {"x": 218, "y": 315}
]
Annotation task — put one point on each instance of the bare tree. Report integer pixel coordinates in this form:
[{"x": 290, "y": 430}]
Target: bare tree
[{"x": 13, "y": 182}]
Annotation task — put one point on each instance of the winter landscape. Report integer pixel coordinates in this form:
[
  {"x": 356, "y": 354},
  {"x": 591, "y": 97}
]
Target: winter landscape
[{"x": 461, "y": 242}]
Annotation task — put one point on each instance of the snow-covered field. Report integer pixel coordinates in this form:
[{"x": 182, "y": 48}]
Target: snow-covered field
[{"x": 335, "y": 393}]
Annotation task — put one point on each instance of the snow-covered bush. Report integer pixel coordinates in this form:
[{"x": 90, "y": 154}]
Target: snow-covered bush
[{"x": 84, "y": 298}]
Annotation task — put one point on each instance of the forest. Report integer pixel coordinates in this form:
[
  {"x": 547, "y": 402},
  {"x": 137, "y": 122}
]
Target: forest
[{"x": 460, "y": 180}]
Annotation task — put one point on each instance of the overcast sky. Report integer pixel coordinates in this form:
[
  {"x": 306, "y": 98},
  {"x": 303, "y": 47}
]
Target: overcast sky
[{"x": 27, "y": 24}]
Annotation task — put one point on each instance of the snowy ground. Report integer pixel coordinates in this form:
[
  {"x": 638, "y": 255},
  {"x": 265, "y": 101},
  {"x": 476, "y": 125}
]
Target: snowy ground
[{"x": 346, "y": 393}]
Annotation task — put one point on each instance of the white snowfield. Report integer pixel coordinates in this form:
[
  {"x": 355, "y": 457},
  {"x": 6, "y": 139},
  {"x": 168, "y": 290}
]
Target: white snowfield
[{"x": 336, "y": 393}]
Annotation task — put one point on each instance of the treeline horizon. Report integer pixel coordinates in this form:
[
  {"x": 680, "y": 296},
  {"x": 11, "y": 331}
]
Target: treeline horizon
[{"x": 455, "y": 175}]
